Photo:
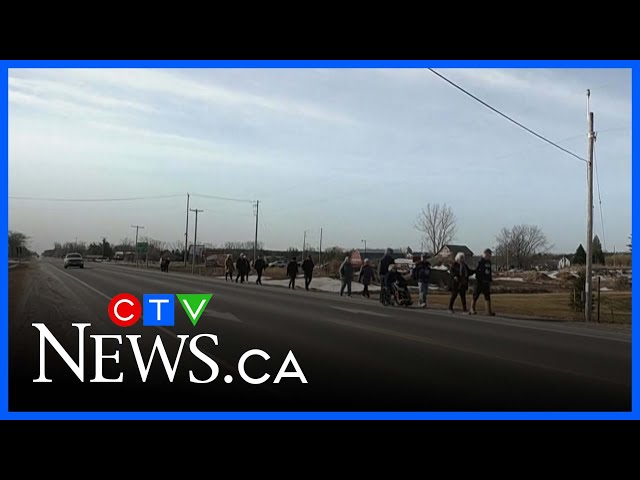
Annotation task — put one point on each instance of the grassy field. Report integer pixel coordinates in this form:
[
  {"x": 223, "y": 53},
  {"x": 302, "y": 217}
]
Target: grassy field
[{"x": 615, "y": 306}]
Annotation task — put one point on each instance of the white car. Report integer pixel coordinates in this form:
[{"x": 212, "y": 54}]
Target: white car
[
  {"x": 278, "y": 264},
  {"x": 73, "y": 260}
]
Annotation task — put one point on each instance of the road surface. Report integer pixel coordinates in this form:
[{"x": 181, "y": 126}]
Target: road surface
[{"x": 354, "y": 353}]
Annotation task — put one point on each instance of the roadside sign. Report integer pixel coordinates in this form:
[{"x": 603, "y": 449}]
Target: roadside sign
[{"x": 143, "y": 246}]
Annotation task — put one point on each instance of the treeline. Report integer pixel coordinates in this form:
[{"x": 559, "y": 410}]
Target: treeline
[{"x": 18, "y": 245}]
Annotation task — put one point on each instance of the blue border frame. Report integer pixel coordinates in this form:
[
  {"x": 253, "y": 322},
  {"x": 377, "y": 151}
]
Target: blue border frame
[{"x": 4, "y": 325}]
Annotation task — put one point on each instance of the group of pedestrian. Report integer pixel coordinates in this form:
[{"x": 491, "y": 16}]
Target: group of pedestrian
[
  {"x": 460, "y": 274},
  {"x": 242, "y": 268},
  {"x": 388, "y": 274},
  {"x": 293, "y": 270}
]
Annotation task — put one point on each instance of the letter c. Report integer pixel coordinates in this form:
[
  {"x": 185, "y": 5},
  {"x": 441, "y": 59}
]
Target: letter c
[
  {"x": 243, "y": 374},
  {"x": 115, "y": 310}
]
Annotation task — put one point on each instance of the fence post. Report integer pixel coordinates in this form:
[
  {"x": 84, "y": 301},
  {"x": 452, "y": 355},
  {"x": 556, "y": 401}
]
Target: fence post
[{"x": 598, "y": 298}]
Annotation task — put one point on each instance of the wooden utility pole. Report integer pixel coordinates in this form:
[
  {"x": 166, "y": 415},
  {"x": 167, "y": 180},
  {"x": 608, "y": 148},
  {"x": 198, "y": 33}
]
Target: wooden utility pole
[
  {"x": 195, "y": 239},
  {"x": 588, "y": 286},
  {"x": 255, "y": 241},
  {"x": 186, "y": 235}
]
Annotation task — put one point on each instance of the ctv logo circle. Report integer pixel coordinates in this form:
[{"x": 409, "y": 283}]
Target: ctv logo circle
[{"x": 156, "y": 309}]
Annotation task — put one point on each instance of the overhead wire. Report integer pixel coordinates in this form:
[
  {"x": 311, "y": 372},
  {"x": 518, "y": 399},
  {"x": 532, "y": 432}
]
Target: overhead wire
[{"x": 493, "y": 109}]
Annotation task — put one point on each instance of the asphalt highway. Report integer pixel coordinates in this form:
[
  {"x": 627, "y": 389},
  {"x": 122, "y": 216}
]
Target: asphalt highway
[{"x": 354, "y": 353}]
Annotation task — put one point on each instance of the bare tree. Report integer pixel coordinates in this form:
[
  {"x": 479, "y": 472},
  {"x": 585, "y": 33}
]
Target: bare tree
[
  {"x": 521, "y": 243},
  {"x": 437, "y": 223}
]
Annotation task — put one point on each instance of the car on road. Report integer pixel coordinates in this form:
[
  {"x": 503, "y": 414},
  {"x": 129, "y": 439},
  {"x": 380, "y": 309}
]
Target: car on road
[
  {"x": 278, "y": 264},
  {"x": 73, "y": 260}
]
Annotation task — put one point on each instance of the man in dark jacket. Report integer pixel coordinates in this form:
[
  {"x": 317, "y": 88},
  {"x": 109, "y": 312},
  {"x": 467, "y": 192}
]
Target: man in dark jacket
[
  {"x": 259, "y": 265},
  {"x": 421, "y": 273},
  {"x": 240, "y": 268},
  {"x": 483, "y": 283},
  {"x": 307, "y": 268},
  {"x": 247, "y": 267},
  {"x": 292, "y": 271},
  {"x": 346, "y": 276},
  {"x": 365, "y": 277},
  {"x": 383, "y": 270}
]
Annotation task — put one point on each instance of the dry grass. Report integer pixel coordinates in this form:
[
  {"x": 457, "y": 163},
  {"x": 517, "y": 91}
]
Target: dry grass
[{"x": 615, "y": 306}]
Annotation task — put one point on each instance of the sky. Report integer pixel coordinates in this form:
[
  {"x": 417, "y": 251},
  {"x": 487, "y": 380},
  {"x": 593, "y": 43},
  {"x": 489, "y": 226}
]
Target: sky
[{"x": 356, "y": 152}]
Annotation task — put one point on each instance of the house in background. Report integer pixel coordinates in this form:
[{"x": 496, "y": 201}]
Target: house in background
[
  {"x": 448, "y": 253},
  {"x": 563, "y": 263}
]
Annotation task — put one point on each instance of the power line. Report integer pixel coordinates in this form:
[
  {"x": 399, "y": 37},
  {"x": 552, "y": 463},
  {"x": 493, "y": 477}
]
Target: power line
[
  {"x": 595, "y": 164},
  {"x": 506, "y": 116},
  {"x": 124, "y": 199},
  {"x": 214, "y": 197}
]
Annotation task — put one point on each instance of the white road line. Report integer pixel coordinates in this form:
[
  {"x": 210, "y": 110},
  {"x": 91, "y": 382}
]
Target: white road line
[
  {"x": 222, "y": 315},
  {"x": 365, "y": 312},
  {"x": 162, "y": 329}
]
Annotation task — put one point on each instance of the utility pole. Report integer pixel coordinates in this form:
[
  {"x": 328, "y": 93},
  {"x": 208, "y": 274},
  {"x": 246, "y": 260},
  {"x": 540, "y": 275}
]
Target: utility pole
[
  {"x": 591, "y": 136},
  {"x": 137, "y": 227},
  {"x": 76, "y": 246},
  {"x": 320, "y": 250},
  {"x": 255, "y": 241},
  {"x": 365, "y": 247},
  {"x": 186, "y": 234},
  {"x": 304, "y": 243},
  {"x": 195, "y": 238},
  {"x": 103, "y": 242}
]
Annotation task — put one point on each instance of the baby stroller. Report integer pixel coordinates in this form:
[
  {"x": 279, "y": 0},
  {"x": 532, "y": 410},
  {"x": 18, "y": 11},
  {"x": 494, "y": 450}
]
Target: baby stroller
[{"x": 401, "y": 295}]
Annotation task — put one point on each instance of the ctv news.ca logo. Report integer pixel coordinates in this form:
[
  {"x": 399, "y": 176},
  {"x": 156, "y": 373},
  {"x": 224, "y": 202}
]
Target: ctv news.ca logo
[{"x": 156, "y": 310}]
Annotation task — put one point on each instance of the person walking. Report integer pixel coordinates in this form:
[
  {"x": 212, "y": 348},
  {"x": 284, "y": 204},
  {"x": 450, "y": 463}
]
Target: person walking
[
  {"x": 421, "y": 274},
  {"x": 228, "y": 267},
  {"x": 307, "y": 269},
  {"x": 163, "y": 262},
  {"x": 346, "y": 276},
  {"x": 240, "y": 268},
  {"x": 383, "y": 269},
  {"x": 483, "y": 284},
  {"x": 292, "y": 272},
  {"x": 365, "y": 277},
  {"x": 459, "y": 282},
  {"x": 166, "y": 265},
  {"x": 259, "y": 266},
  {"x": 247, "y": 267}
]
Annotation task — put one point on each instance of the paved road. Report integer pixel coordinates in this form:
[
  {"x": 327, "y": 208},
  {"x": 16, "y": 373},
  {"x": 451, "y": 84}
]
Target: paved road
[{"x": 355, "y": 354}]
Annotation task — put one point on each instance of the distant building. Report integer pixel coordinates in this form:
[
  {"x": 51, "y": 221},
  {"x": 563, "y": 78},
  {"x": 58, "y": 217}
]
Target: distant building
[
  {"x": 563, "y": 263},
  {"x": 450, "y": 251}
]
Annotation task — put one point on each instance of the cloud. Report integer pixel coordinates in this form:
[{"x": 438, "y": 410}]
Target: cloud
[
  {"x": 178, "y": 87},
  {"x": 538, "y": 83},
  {"x": 47, "y": 89}
]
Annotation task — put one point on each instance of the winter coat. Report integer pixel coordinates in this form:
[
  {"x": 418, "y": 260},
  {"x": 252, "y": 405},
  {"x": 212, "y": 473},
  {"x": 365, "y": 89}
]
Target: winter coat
[
  {"x": 422, "y": 272},
  {"x": 483, "y": 271},
  {"x": 307, "y": 266},
  {"x": 292, "y": 269},
  {"x": 346, "y": 271},
  {"x": 460, "y": 276},
  {"x": 247, "y": 266},
  {"x": 384, "y": 264},
  {"x": 240, "y": 264},
  {"x": 366, "y": 275},
  {"x": 259, "y": 265},
  {"x": 228, "y": 265}
]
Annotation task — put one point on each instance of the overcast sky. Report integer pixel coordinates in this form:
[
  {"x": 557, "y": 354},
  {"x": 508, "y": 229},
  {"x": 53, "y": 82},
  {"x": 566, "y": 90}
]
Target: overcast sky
[{"x": 356, "y": 151}]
